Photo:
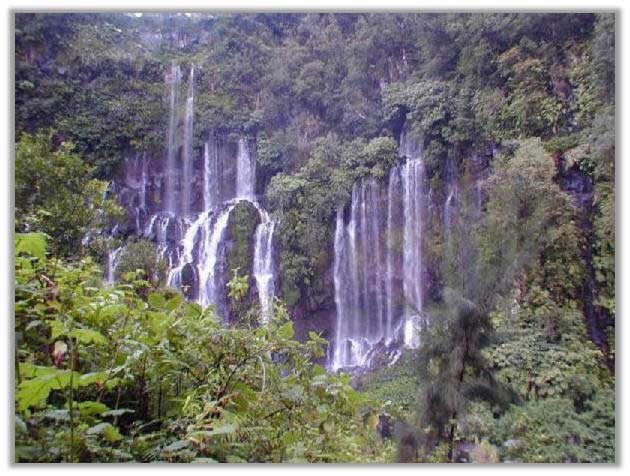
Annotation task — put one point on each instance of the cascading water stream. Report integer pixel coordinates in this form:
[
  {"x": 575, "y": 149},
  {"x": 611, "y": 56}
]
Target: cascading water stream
[
  {"x": 360, "y": 284},
  {"x": 211, "y": 174},
  {"x": 209, "y": 253},
  {"x": 245, "y": 172},
  {"x": 451, "y": 202},
  {"x": 187, "y": 162},
  {"x": 143, "y": 184},
  {"x": 412, "y": 178},
  {"x": 378, "y": 268},
  {"x": 263, "y": 264},
  {"x": 189, "y": 243},
  {"x": 393, "y": 244},
  {"x": 172, "y": 173},
  {"x": 188, "y": 219},
  {"x": 112, "y": 262},
  {"x": 339, "y": 356}
]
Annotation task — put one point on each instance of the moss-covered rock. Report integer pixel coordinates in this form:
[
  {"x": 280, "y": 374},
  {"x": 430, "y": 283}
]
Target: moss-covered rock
[
  {"x": 240, "y": 244},
  {"x": 241, "y": 237}
]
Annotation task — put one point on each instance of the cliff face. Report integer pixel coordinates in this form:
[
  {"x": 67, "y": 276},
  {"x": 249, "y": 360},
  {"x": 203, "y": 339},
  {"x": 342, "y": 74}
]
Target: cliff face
[
  {"x": 402, "y": 224},
  {"x": 217, "y": 232},
  {"x": 579, "y": 185}
]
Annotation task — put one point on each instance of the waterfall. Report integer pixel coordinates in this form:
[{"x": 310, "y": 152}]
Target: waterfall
[
  {"x": 448, "y": 212},
  {"x": 412, "y": 177},
  {"x": 187, "y": 162},
  {"x": 412, "y": 173},
  {"x": 263, "y": 264},
  {"x": 451, "y": 202},
  {"x": 338, "y": 355},
  {"x": 189, "y": 243},
  {"x": 373, "y": 249},
  {"x": 210, "y": 175},
  {"x": 112, "y": 262},
  {"x": 392, "y": 246},
  {"x": 136, "y": 177},
  {"x": 188, "y": 218},
  {"x": 354, "y": 309},
  {"x": 244, "y": 172},
  {"x": 172, "y": 173},
  {"x": 202, "y": 243},
  {"x": 143, "y": 184},
  {"x": 209, "y": 254},
  {"x": 378, "y": 268},
  {"x": 360, "y": 283}
]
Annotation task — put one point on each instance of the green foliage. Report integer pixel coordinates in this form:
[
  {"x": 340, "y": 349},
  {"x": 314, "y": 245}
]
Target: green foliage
[
  {"x": 238, "y": 286},
  {"x": 33, "y": 244},
  {"x": 551, "y": 431},
  {"x": 133, "y": 373},
  {"x": 427, "y": 103},
  {"x": 397, "y": 385},
  {"x": 56, "y": 194},
  {"x": 131, "y": 378},
  {"x": 533, "y": 109},
  {"x": 601, "y": 135},
  {"x": 544, "y": 352},
  {"x": 241, "y": 229},
  {"x": 527, "y": 216},
  {"x": 104, "y": 92},
  {"x": 453, "y": 365},
  {"x": 142, "y": 256}
]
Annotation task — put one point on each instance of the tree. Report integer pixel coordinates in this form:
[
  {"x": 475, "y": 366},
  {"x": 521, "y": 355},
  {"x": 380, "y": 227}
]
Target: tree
[{"x": 56, "y": 194}]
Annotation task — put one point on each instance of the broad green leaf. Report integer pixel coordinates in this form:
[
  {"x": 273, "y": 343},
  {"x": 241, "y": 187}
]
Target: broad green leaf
[
  {"x": 200, "y": 436},
  {"x": 33, "y": 324},
  {"x": 286, "y": 330},
  {"x": 57, "y": 328},
  {"x": 111, "y": 310},
  {"x": 318, "y": 370},
  {"x": 112, "y": 434},
  {"x": 20, "y": 426},
  {"x": 193, "y": 309},
  {"x": 92, "y": 408},
  {"x": 175, "y": 302},
  {"x": 106, "y": 430},
  {"x": 157, "y": 300},
  {"x": 92, "y": 377},
  {"x": 35, "y": 391},
  {"x": 88, "y": 336},
  {"x": 33, "y": 244},
  {"x": 178, "y": 445},
  {"x": 28, "y": 370},
  {"x": 57, "y": 415}
]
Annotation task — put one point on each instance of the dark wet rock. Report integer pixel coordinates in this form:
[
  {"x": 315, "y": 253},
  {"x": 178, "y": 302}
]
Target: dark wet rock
[
  {"x": 385, "y": 425},
  {"x": 190, "y": 281}
]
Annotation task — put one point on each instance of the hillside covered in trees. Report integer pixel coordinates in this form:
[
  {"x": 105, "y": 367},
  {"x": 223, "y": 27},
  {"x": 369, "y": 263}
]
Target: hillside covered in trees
[{"x": 349, "y": 237}]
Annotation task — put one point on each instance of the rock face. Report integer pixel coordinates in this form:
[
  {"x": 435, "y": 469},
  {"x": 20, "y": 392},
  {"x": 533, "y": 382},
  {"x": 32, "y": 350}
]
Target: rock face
[
  {"x": 200, "y": 208},
  {"x": 579, "y": 185},
  {"x": 239, "y": 250}
]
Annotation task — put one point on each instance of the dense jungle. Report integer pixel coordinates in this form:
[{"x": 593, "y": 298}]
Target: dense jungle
[{"x": 314, "y": 237}]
